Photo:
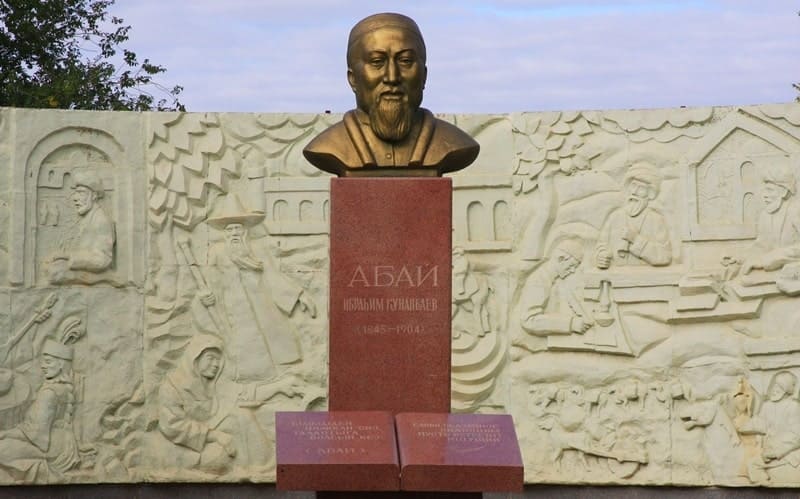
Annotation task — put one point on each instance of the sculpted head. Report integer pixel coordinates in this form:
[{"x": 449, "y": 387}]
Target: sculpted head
[
  {"x": 209, "y": 363},
  {"x": 642, "y": 184},
  {"x": 86, "y": 190},
  {"x": 56, "y": 360},
  {"x": 781, "y": 386},
  {"x": 231, "y": 217},
  {"x": 386, "y": 70},
  {"x": 51, "y": 366},
  {"x": 779, "y": 184},
  {"x": 234, "y": 233},
  {"x": 201, "y": 365},
  {"x": 567, "y": 255}
]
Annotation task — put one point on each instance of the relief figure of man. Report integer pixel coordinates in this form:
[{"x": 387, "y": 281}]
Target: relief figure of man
[
  {"x": 635, "y": 234},
  {"x": 43, "y": 446},
  {"x": 552, "y": 304},
  {"x": 778, "y": 241},
  {"x": 776, "y": 421},
  {"x": 389, "y": 134},
  {"x": 254, "y": 299},
  {"x": 87, "y": 246}
]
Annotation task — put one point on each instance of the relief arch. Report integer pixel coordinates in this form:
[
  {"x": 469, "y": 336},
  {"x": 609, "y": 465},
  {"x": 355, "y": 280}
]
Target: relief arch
[{"x": 49, "y": 175}]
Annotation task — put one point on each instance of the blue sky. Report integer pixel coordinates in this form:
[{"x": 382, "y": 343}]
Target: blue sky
[{"x": 483, "y": 56}]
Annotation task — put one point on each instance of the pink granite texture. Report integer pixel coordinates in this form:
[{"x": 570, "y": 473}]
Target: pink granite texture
[
  {"x": 349, "y": 451},
  {"x": 390, "y": 286},
  {"x": 458, "y": 453}
]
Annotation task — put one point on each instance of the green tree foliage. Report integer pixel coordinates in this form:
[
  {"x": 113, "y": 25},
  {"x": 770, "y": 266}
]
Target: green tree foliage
[{"x": 67, "y": 54}]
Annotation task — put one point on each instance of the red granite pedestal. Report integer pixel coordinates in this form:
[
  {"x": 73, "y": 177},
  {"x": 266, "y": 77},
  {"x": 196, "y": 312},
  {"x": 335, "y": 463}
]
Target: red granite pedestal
[
  {"x": 458, "y": 453},
  {"x": 390, "y": 254},
  {"x": 345, "y": 451},
  {"x": 389, "y": 350}
]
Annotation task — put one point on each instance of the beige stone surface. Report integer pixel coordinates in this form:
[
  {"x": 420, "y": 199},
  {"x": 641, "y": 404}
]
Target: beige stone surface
[{"x": 625, "y": 284}]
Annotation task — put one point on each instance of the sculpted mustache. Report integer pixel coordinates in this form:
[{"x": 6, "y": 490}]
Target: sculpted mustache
[{"x": 393, "y": 92}]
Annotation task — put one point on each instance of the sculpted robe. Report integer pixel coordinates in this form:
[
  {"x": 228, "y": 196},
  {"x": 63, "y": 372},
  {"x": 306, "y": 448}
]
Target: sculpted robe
[
  {"x": 188, "y": 410},
  {"x": 650, "y": 247},
  {"x": 780, "y": 443},
  {"x": 89, "y": 246},
  {"x": 350, "y": 148},
  {"x": 551, "y": 306},
  {"x": 781, "y": 434},
  {"x": 44, "y": 441},
  {"x": 779, "y": 232},
  {"x": 256, "y": 305},
  {"x": 90, "y": 242}
]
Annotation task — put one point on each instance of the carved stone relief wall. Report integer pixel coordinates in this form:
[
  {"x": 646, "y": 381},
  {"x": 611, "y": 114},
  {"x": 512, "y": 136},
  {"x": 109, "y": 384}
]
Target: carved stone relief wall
[{"x": 625, "y": 284}]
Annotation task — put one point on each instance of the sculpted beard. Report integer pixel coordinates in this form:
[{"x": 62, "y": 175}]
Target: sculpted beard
[
  {"x": 635, "y": 206},
  {"x": 772, "y": 202},
  {"x": 240, "y": 255},
  {"x": 391, "y": 119},
  {"x": 237, "y": 247}
]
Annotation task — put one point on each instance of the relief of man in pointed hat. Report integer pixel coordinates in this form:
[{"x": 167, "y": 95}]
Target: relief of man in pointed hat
[
  {"x": 235, "y": 221},
  {"x": 254, "y": 299}
]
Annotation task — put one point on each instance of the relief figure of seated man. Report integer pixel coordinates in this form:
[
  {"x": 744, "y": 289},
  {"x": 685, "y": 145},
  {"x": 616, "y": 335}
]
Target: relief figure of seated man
[
  {"x": 88, "y": 246},
  {"x": 551, "y": 300},
  {"x": 776, "y": 422},
  {"x": 778, "y": 239},
  {"x": 43, "y": 446},
  {"x": 636, "y": 233}
]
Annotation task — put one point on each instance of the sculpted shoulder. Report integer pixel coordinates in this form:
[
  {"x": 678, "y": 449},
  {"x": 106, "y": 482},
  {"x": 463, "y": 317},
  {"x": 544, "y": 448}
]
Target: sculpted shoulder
[
  {"x": 333, "y": 151},
  {"x": 451, "y": 149},
  {"x": 446, "y": 149}
]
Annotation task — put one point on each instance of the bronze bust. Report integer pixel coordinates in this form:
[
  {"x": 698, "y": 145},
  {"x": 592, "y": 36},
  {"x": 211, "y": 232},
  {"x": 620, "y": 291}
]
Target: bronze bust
[{"x": 389, "y": 134}]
